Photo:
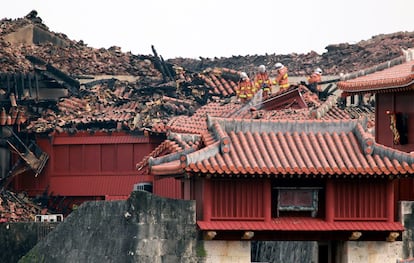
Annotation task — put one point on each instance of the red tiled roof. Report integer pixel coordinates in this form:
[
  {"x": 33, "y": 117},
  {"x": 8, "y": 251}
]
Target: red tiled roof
[
  {"x": 400, "y": 76},
  {"x": 289, "y": 148},
  {"x": 300, "y": 224},
  {"x": 285, "y": 105}
]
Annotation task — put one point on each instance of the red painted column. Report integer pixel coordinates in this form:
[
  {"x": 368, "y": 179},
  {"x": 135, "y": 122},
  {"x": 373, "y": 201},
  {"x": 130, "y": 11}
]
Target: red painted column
[
  {"x": 329, "y": 201},
  {"x": 207, "y": 200},
  {"x": 267, "y": 200},
  {"x": 186, "y": 193},
  {"x": 390, "y": 201}
]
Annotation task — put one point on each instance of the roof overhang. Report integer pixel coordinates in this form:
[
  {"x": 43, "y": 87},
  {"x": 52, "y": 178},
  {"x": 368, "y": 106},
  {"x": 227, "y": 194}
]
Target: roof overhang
[{"x": 289, "y": 229}]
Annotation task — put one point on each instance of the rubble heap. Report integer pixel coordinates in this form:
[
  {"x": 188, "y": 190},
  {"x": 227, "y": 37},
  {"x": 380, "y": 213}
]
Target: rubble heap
[
  {"x": 17, "y": 207},
  {"x": 339, "y": 58}
]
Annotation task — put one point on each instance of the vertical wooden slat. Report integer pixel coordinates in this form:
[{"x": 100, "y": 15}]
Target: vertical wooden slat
[{"x": 365, "y": 199}]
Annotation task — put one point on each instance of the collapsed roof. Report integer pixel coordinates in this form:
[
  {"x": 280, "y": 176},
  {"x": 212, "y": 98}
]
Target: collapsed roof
[{"x": 61, "y": 84}]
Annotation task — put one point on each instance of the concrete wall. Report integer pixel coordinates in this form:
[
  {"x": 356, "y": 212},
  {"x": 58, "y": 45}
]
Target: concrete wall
[
  {"x": 31, "y": 34},
  {"x": 370, "y": 252},
  {"x": 145, "y": 228},
  {"x": 227, "y": 251}
]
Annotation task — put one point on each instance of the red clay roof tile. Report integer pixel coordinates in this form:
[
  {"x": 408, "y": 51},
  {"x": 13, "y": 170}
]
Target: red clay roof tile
[
  {"x": 272, "y": 148},
  {"x": 388, "y": 79}
]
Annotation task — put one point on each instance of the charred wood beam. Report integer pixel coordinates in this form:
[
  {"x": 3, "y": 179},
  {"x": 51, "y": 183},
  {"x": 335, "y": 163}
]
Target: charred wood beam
[
  {"x": 110, "y": 82},
  {"x": 158, "y": 65},
  {"x": 150, "y": 89},
  {"x": 161, "y": 65},
  {"x": 55, "y": 73},
  {"x": 166, "y": 68},
  {"x": 36, "y": 60},
  {"x": 69, "y": 82}
]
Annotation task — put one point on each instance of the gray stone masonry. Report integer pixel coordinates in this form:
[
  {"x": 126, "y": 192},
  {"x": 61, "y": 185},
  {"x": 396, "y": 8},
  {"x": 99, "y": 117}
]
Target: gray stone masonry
[{"x": 145, "y": 228}]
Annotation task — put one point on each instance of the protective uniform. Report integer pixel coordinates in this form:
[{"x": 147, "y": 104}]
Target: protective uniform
[
  {"x": 313, "y": 79},
  {"x": 262, "y": 81},
  {"x": 245, "y": 88},
  {"x": 282, "y": 76}
]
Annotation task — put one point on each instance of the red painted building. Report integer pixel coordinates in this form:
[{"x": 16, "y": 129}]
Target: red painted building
[
  {"x": 304, "y": 174},
  {"x": 394, "y": 126},
  {"x": 290, "y": 180},
  {"x": 85, "y": 166}
]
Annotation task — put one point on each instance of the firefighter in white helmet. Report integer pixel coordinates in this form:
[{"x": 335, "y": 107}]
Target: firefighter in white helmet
[
  {"x": 281, "y": 76},
  {"x": 314, "y": 79},
  {"x": 262, "y": 81},
  {"x": 245, "y": 89}
]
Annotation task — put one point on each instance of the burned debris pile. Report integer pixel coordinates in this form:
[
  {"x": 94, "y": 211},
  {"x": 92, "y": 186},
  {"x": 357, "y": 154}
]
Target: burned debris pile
[
  {"x": 338, "y": 58},
  {"x": 17, "y": 207}
]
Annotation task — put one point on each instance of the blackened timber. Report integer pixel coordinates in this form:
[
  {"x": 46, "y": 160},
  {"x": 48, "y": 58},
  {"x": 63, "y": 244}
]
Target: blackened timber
[
  {"x": 158, "y": 64},
  {"x": 22, "y": 75},
  {"x": 37, "y": 87},
  {"x": 36, "y": 60},
  {"x": 29, "y": 77},
  {"x": 15, "y": 86},
  {"x": 167, "y": 70},
  {"x": 110, "y": 82},
  {"x": 69, "y": 82},
  {"x": 8, "y": 83}
]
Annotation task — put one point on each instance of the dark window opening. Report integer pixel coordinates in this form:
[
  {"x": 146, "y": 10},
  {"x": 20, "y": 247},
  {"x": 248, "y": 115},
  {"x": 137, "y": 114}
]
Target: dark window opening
[{"x": 298, "y": 198}]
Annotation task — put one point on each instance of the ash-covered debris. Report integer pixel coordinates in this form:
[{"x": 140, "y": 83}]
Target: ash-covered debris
[
  {"x": 338, "y": 58},
  {"x": 18, "y": 207}
]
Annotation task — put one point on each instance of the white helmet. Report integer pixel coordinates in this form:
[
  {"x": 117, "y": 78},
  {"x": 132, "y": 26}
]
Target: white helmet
[
  {"x": 318, "y": 71},
  {"x": 243, "y": 75},
  {"x": 279, "y": 65},
  {"x": 262, "y": 68}
]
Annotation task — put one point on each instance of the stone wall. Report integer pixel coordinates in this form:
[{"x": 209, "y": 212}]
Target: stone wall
[
  {"x": 370, "y": 251},
  {"x": 16, "y": 239},
  {"x": 407, "y": 219},
  {"x": 145, "y": 228}
]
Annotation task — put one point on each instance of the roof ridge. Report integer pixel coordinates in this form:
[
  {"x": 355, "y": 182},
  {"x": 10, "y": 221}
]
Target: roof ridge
[
  {"x": 254, "y": 125},
  {"x": 201, "y": 154},
  {"x": 170, "y": 157},
  {"x": 384, "y": 65},
  {"x": 220, "y": 134},
  {"x": 365, "y": 139},
  {"x": 158, "y": 150},
  {"x": 326, "y": 106},
  {"x": 392, "y": 153}
]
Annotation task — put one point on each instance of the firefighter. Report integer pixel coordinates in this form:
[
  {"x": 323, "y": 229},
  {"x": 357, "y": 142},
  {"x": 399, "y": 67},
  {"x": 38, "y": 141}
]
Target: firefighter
[
  {"x": 314, "y": 79},
  {"x": 282, "y": 76},
  {"x": 262, "y": 81},
  {"x": 245, "y": 88}
]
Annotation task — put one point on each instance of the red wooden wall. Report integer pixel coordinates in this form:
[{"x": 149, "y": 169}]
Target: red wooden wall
[
  {"x": 360, "y": 200},
  {"x": 401, "y": 102},
  {"x": 92, "y": 165},
  {"x": 168, "y": 187},
  {"x": 237, "y": 199}
]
